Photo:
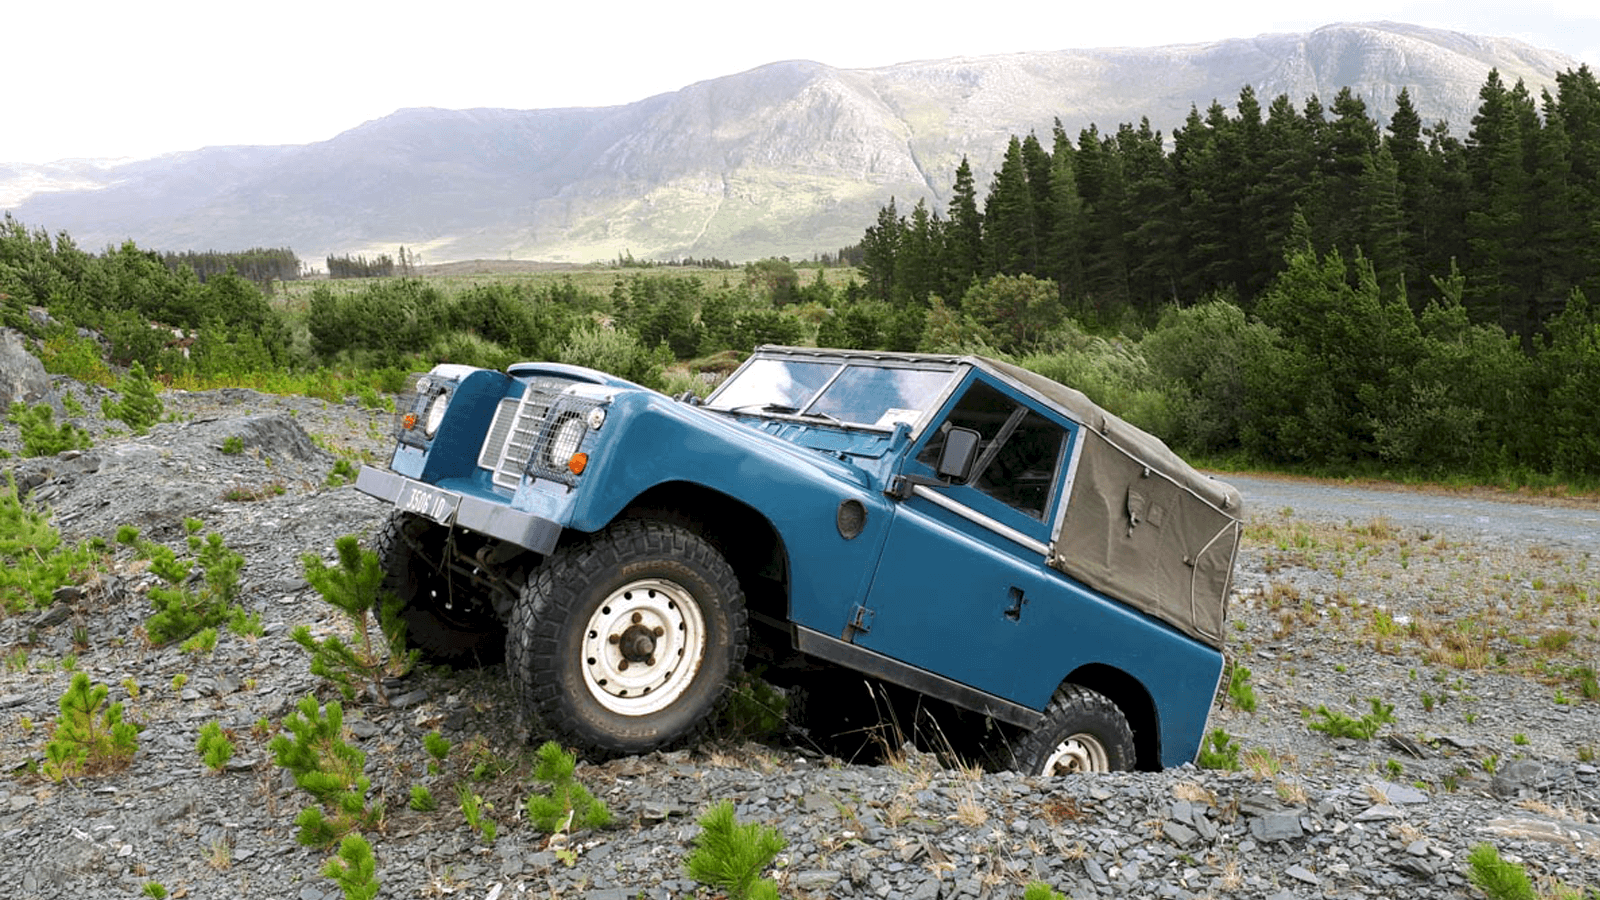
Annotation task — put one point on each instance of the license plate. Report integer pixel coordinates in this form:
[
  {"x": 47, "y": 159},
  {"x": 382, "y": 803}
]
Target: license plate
[{"x": 432, "y": 502}]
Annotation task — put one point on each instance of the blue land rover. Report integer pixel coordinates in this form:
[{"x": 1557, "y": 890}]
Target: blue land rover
[{"x": 954, "y": 525}]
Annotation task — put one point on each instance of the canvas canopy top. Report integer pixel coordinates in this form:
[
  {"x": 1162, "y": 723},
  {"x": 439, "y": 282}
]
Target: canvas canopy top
[{"x": 1141, "y": 525}]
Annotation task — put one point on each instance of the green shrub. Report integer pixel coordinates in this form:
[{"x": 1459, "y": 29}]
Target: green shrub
[
  {"x": 40, "y": 434},
  {"x": 731, "y": 856},
  {"x": 1219, "y": 751},
  {"x": 64, "y": 353},
  {"x": 1337, "y": 724},
  {"x": 89, "y": 737},
  {"x": 33, "y": 560},
  {"x": 139, "y": 407},
  {"x": 1240, "y": 692},
  {"x": 617, "y": 352}
]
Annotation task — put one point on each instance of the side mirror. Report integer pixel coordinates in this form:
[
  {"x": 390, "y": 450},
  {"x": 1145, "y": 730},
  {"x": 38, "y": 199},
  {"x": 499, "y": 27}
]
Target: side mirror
[{"x": 960, "y": 452}]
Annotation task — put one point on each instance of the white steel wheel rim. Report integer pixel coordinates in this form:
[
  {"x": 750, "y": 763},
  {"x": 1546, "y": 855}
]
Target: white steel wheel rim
[
  {"x": 643, "y": 647},
  {"x": 1078, "y": 754}
]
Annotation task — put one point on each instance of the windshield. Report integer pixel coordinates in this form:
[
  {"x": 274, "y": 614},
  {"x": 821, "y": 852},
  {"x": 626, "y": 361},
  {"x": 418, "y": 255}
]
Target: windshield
[{"x": 869, "y": 394}]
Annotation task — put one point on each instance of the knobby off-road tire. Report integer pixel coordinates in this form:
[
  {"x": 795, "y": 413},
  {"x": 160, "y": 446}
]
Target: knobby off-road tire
[
  {"x": 441, "y": 620},
  {"x": 1082, "y": 731},
  {"x": 625, "y": 642}
]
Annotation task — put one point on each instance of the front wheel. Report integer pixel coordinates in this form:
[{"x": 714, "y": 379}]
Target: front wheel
[
  {"x": 625, "y": 642},
  {"x": 1082, "y": 731}
]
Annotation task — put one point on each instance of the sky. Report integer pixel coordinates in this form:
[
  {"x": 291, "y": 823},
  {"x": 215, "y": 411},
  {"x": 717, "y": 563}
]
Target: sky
[{"x": 101, "y": 79}]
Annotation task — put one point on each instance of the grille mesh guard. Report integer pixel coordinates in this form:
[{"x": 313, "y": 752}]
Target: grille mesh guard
[{"x": 523, "y": 429}]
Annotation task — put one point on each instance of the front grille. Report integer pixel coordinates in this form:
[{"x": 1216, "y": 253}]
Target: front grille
[{"x": 522, "y": 430}]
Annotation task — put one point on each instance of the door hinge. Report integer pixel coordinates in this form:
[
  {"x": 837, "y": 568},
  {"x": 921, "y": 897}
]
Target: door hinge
[{"x": 860, "y": 623}]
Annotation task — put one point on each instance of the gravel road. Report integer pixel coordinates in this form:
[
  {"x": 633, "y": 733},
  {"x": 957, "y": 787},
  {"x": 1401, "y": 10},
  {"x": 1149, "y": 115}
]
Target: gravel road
[{"x": 1574, "y": 524}]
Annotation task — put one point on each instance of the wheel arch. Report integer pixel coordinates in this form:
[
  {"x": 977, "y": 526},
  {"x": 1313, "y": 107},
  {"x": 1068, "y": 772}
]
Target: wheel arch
[
  {"x": 1136, "y": 704},
  {"x": 744, "y": 536}
]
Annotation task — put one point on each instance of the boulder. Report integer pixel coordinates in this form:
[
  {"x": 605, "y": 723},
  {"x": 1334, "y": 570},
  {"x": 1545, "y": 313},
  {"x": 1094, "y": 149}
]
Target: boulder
[{"x": 22, "y": 376}]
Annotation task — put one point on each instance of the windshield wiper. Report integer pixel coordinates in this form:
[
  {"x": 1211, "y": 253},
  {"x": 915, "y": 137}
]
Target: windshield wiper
[{"x": 786, "y": 410}]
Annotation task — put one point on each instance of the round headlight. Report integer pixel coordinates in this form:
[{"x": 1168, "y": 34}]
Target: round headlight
[
  {"x": 564, "y": 442},
  {"x": 435, "y": 415}
]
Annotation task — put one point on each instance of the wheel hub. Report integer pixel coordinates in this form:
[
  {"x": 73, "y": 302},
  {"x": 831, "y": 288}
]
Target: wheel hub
[
  {"x": 1078, "y": 754},
  {"x": 643, "y": 646},
  {"x": 637, "y": 643}
]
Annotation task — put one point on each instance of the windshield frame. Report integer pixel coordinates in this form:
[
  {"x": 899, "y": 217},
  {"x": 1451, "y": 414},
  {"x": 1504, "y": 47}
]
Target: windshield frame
[{"x": 952, "y": 369}]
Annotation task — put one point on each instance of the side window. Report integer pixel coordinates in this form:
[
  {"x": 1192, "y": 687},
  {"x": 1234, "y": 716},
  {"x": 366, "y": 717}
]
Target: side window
[{"x": 1019, "y": 453}]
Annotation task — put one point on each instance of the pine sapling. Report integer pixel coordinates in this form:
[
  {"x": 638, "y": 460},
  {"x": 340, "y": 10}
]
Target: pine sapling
[
  {"x": 87, "y": 739},
  {"x": 327, "y": 768},
  {"x": 422, "y": 799},
  {"x": 1219, "y": 751},
  {"x": 139, "y": 407},
  {"x": 355, "y": 586},
  {"x": 354, "y": 868},
  {"x": 34, "y": 561},
  {"x": 476, "y": 812},
  {"x": 1497, "y": 877},
  {"x": 214, "y": 747},
  {"x": 568, "y": 804},
  {"x": 40, "y": 434},
  {"x": 438, "y": 748},
  {"x": 731, "y": 856},
  {"x": 181, "y": 611}
]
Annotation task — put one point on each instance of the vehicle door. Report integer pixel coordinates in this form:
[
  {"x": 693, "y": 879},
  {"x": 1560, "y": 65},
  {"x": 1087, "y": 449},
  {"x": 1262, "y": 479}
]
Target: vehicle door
[{"x": 962, "y": 587}]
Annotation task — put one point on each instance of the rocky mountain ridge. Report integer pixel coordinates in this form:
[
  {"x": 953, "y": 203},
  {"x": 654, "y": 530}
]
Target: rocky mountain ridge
[{"x": 792, "y": 158}]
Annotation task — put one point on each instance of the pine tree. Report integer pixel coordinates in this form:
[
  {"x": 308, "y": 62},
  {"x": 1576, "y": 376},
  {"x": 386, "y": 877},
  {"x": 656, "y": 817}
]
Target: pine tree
[
  {"x": 879, "y": 247},
  {"x": 1411, "y": 164},
  {"x": 1008, "y": 217},
  {"x": 1063, "y": 248},
  {"x": 962, "y": 259},
  {"x": 916, "y": 264},
  {"x": 1494, "y": 221}
]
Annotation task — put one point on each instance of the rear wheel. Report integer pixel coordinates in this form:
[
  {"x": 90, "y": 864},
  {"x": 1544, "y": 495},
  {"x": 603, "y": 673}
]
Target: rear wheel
[
  {"x": 442, "y": 616},
  {"x": 1082, "y": 731},
  {"x": 626, "y": 642}
]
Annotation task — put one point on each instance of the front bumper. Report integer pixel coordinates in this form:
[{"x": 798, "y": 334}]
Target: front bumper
[{"x": 455, "y": 508}]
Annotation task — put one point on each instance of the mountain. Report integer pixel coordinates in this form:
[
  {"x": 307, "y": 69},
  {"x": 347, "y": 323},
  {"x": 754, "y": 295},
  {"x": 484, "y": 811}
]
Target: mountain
[{"x": 791, "y": 158}]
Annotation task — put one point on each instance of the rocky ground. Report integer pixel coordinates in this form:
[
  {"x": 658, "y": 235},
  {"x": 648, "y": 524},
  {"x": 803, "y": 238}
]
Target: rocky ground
[{"x": 1479, "y": 643}]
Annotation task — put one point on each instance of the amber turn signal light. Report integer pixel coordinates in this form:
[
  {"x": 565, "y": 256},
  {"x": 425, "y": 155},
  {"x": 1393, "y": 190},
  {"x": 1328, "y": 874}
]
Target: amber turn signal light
[
  {"x": 409, "y": 422},
  {"x": 578, "y": 463}
]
